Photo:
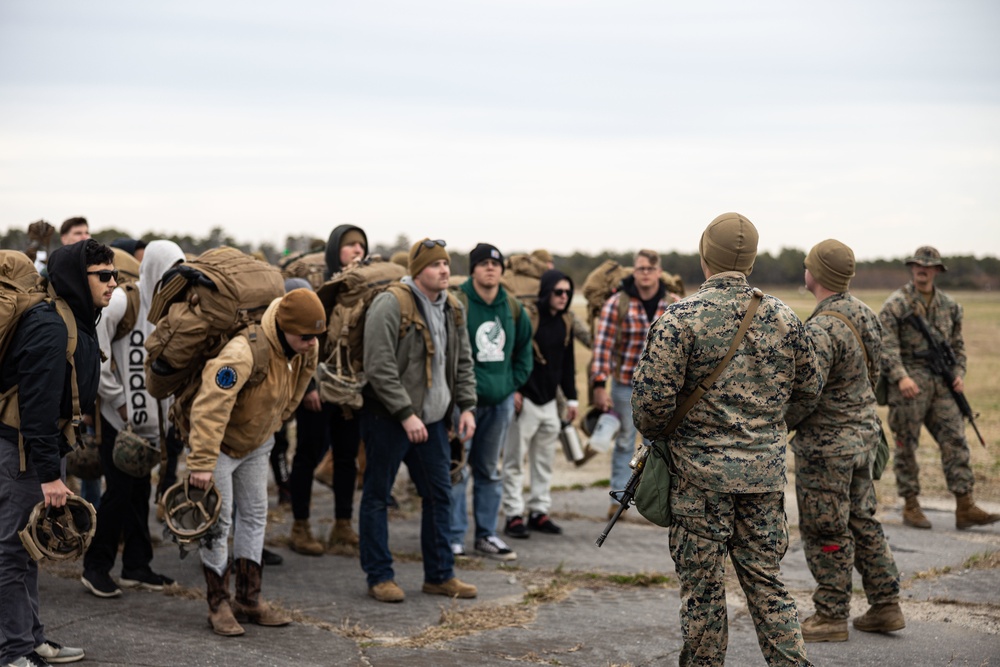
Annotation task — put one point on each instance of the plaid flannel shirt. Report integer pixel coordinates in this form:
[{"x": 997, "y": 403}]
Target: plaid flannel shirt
[{"x": 620, "y": 362}]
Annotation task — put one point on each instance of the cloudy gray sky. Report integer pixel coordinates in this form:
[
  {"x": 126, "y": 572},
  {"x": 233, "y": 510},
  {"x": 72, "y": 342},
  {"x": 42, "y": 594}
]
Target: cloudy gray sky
[{"x": 571, "y": 124}]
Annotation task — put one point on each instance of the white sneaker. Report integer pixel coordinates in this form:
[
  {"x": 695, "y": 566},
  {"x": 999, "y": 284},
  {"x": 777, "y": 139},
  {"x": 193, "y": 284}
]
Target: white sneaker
[
  {"x": 57, "y": 653},
  {"x": 493, "y": 547},
  {"x": 458, "y": 549}
]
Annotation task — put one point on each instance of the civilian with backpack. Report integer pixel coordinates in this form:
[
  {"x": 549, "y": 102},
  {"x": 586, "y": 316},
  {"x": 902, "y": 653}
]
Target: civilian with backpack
[{"x": 50, "y": 372}]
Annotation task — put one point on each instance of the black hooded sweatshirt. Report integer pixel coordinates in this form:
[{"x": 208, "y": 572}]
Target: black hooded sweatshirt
[
  {"x": 559, "y": 368},
  {"x": 36, "y": 362},
  {"x": 333, "y": 248}
]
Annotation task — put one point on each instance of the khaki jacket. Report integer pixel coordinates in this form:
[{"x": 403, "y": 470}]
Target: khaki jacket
[{"x": 229, "y": 416}]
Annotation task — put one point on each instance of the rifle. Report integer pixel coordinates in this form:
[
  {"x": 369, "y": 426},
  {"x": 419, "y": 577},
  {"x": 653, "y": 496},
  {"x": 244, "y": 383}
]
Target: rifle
[
  {"x": 625, "y": 496},
  {"x": 940, "y": 359}
]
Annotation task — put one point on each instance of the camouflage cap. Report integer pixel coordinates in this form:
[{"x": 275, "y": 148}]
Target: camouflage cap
[
  {"x": 927, "y": 256},
  {"x": 831, "y": 263}
]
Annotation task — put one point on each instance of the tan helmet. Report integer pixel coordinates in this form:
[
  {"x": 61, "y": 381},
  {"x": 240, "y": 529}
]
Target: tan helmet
[
  {"x": 190, "y": 512},
  {"x": 85, "y": 459},
  {"x": 59, "y": 533}
]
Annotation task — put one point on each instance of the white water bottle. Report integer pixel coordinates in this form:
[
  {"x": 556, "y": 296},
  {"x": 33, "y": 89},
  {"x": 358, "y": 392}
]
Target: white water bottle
[{"x": 605, "y": 431}]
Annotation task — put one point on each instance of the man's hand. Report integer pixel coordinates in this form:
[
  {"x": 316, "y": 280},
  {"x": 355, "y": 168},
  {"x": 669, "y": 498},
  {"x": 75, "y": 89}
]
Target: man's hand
[
  {"x": 55, "y": 493},
  {"x": 466, "y": 426},
  {"x": 602, "y": 401},
  {"x": 201, "y": 480},
  {"x": 958, "y": 385},
  {"x": 311, "y": 401},
  {"x": 908, "y": 388},
  {"x": 415, "y": 429},
  {"x": 518, "y": 402},
  {"x": 571, "y": 412}
]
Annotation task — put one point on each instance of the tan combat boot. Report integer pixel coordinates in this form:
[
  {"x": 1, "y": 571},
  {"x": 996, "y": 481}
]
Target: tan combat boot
[
  {"x": 342, "y": 533},
  {"x": 387, "y": 591},
  {"x": 453, "y": 588},
  {"x": 914, "y": 516},
  {"x": 248, "y": 602},
  {"x": 881, "y": 618},
  {"x": 220, "y": 614},
  {"x": 967, "y": 514},
  {"x": 302, "y": 541},
  {"x": 820, "y": 628}
]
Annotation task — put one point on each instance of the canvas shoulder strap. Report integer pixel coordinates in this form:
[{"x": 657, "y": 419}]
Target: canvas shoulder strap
[
  {"x": 706, "y": 384},
  {"x": 850, "y": 325}
]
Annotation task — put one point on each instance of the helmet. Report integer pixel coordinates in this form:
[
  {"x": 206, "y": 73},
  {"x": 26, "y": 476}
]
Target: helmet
[
  {"x": 59, "y": 533},
  {"x": 589, "y": 421},
  {"x": 190, "y": 512},
  {"x": 133, "y": 454},
  {"x": 85, "y": 459}
]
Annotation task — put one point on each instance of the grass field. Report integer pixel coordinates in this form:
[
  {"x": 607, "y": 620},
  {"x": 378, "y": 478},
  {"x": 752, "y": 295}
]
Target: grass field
[{"x": 981, "y": 328}]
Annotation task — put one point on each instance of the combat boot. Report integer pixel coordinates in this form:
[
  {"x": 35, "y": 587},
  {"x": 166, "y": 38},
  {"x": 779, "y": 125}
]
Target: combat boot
[
  {"x": 820, "y": 628},
  {"x": 967, "y": 514},
  {"x": 248, "y": 602},
  {"x": 220, "y": 614},
  {"x": 342, "y": 533},
  {"x": 881, "y": 618},
  {"x": 913, "y": 516},
  {"x": 302, "y": 541}
]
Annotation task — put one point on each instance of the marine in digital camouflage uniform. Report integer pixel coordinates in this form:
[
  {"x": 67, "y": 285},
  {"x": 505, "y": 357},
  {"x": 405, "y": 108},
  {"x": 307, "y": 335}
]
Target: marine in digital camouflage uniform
[
  {"x": 919, "y": 397},
  {"x": 834, "y": 445},
  {"x": 729, "y": 451}
]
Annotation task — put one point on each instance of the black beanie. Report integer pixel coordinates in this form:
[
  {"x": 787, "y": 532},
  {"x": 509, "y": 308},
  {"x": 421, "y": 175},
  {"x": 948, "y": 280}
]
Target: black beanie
[{"x": 483, "y": 252}]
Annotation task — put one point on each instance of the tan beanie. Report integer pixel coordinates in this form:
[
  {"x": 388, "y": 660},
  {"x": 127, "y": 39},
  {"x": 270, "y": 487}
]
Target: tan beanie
[
  {"x": 729, "y": 243},
  {"x": 301, "y": 313},
  {"x": 831, "y": 263},
  {"x": 421, "y": 255},
  {"x": 354, "y": 236}
]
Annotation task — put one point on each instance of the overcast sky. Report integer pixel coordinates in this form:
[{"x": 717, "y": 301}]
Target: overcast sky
[{"x": 571, "y": 125}]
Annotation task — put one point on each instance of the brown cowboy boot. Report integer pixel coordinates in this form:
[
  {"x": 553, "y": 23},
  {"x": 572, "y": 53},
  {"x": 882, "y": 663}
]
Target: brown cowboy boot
[
  {"x": 248, "y": 602},
  {"x": 220, "y": 614},
  {"x": 342, "y": 533},
  {"x": 967, "y": 514},
  {"x": 914, "y": 516},
  {"x": 301, "y": 539}
]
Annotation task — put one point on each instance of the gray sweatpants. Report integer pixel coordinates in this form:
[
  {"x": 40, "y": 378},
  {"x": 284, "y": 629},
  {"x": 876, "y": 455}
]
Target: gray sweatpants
[
  {"x": 20, "y": 628},
  {"x": 241, "y": 482}
]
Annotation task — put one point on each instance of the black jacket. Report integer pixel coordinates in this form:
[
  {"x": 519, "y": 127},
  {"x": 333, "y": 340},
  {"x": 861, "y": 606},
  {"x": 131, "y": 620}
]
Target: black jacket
[
  {"x": 559, "y": 368},
  {"x": 36, "y": 362}
]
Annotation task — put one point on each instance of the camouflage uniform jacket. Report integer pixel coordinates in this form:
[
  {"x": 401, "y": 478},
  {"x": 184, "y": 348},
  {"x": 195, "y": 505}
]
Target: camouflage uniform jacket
[
  {"x": 902, "y": 342},
  {"x": 841, "y": 421},
  {"x": 733, "y": 439}
]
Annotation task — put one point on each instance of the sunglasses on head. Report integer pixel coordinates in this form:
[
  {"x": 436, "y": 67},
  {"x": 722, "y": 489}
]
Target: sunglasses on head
[
  {"x": 105, "y": 275},
  {"x": 560, "y": 292},
  {"x": 429, "y": 243}
]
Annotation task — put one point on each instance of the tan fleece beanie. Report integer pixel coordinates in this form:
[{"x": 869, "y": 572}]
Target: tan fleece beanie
[
  {"x": 421, "y": 255},
  {"x": 301, "y": 313},
  {"x": 729, "y": 243},
  {"x": 831, "y": 263}
]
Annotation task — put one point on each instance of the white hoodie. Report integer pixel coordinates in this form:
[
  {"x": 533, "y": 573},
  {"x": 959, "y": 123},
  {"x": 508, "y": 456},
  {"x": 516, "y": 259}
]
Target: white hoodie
[{"x": 125, "y": 382}]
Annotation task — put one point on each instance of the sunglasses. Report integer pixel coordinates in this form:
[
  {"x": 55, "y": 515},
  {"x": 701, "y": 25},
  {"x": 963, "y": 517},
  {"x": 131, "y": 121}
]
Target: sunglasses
[
  {"x": 105, "y": 275},
  {"x": 645, "y": 269},
  {"x": 428, "y": 243},
  {"x": 307, "y": 337},
  {"x": 560, "y": 292}
]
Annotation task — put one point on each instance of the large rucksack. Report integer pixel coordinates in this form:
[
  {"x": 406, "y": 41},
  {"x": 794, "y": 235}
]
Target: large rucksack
[
  {"x": 22, "y": 288},
  {"x": 607, "y": 279},
  {"x": 310, "y": 266},
  {"x": 198, "y": 307},
  {"x": 522, "y": 276},
  {"x": 346, "y": 298}
]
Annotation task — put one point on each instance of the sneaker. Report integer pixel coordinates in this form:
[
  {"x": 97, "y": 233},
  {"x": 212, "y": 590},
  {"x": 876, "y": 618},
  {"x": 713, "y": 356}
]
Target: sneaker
[
  {"x": 100, "y": 584},
  {"x": 387, "y": 591},
  {"x": 147, "y": 581},
  {"x": 493, "y": 547},
  {"x": 543, "y": 524},
  {"x": 452, "y": 588},
  {"x": 30, "y": 660},
  {"x": 516, "y": 528},
  {"x": 57, "y": 653},
  {"x": 458, "y": 550}
]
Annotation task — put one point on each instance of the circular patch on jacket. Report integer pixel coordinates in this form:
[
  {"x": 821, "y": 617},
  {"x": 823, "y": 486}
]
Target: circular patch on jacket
[{"x": 226, "y": 377}]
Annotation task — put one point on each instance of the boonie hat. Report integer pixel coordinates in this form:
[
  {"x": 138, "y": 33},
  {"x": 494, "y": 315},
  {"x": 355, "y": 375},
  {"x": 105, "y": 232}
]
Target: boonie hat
[{"x": 927, "y": 256}]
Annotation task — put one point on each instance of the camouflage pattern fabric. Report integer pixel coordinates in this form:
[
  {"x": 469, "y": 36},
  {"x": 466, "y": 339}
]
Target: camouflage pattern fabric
[
  {"x": 840, "y": 532},
  {"x": 933, "y": 407},
  {"x": 752, "y": 528}
]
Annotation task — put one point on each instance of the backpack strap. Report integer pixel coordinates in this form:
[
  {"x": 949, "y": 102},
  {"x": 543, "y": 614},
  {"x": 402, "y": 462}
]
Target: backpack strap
[
  {"x": 850, "y": 325},
  {"x": 261, "y": 351},
  {"x": 131, "y": 316},
  {"x": 69, "y": 427},
  {"x": 707, "y": 383}
]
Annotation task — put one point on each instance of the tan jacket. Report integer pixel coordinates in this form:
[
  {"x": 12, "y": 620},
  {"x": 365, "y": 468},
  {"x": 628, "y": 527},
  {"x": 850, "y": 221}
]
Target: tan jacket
[{"x": 226, "y": 415}]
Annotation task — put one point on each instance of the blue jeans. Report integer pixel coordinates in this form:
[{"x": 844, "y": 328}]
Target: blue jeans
[
  {"x": 483, "y": 453},
  {"x": 621, "y": 398},
  {"x": 386, "y": 446}
]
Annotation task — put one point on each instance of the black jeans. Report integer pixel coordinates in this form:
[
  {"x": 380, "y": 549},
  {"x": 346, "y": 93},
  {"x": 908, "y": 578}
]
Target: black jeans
[
  {"x": 315, "y": 432},
  {"x": 124, "y": 512}
]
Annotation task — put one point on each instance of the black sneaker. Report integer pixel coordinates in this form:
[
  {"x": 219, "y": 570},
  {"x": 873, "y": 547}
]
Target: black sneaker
[
  {"x": 100, "y": 584},
  {"x": 147, "y": 581},
  {"x": 516, "y": 528},
  {"x": 493, "y": 547},
  {"x": 543, "y": 524},
  {"x": 30, "y": 660},
  {"x": 268, "y": 557}
]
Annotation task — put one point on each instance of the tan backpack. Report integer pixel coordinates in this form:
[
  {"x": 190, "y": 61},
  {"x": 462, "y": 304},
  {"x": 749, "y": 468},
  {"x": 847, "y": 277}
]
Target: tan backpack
[
  {"x": 128, "y": 279},
  {"x": 607, "y": 279},
  {"x": 198, "y": 307},
  {"x": 310, "y": 266},
  {"x": 522, "y": 276}
]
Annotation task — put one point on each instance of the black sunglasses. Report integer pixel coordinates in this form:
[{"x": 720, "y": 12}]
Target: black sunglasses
[
  {"x": 429, "y": 243},
  {"x": 307, "y": 337},
  {"x": 560, "y": 292},
  {"x": 104, "y": 275}
]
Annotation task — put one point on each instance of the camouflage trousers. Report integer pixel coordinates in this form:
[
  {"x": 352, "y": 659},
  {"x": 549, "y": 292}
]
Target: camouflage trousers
[
  {"x": 840, "y": 532},
  {"x": 934, "y": 408},
  {"x": 752, "y": 529}
]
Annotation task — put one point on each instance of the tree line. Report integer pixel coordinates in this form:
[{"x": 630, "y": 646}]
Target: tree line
[{"x": 781, "y": 270}]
